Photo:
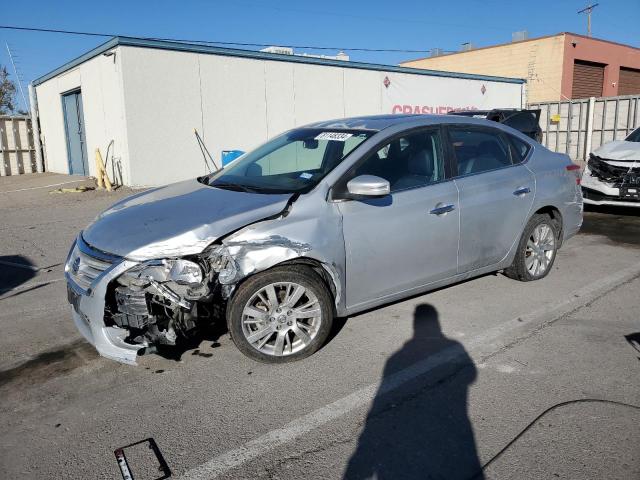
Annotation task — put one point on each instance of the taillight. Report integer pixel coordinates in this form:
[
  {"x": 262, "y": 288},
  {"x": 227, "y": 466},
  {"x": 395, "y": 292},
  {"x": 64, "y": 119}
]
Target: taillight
[{"x": 572, "y": 167}]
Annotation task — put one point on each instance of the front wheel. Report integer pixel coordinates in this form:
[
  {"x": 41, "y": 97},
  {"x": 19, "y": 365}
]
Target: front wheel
[
  {"x": 280, "y": 315},
  {"x": 536, "y": 250}
]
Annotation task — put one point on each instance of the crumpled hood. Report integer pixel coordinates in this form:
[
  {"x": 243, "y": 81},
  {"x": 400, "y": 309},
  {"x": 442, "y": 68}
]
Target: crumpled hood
[
  {"x": 619, "y": 150},
  {"x": 178, "y": 219}
]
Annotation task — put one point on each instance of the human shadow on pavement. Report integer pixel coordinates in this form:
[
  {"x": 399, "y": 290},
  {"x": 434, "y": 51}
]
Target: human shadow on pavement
[
  {"x": 420, "y": 430},
  {"x": 14, "y": 271}
]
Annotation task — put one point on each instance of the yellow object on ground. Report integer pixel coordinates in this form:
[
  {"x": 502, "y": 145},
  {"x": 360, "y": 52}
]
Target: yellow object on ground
[
  {"x": 72, "y": 190},
  {"x": 102, "y": 179}
]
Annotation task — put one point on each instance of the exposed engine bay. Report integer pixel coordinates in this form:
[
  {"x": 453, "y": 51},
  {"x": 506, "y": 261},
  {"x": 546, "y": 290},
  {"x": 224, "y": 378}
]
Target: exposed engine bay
[{"x": 160, "y": 301}]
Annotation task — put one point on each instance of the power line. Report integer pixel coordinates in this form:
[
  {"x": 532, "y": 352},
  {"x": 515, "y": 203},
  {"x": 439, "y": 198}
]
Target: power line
[
  {"x": 588, "y": 9},
  {"x": 212, "y": 42}
]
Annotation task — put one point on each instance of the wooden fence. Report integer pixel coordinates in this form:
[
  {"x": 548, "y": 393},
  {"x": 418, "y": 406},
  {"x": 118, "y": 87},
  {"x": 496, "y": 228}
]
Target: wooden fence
[{"x": 17, "y": 150}]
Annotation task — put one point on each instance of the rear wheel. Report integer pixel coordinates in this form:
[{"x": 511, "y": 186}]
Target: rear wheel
[
  {"x": 536, "y": 250},
  {"x": 280, "y": 315}
]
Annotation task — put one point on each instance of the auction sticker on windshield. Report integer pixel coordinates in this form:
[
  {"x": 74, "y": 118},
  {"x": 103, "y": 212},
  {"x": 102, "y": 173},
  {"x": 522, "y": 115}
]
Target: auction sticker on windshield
[{"x": 335, "y": 136}]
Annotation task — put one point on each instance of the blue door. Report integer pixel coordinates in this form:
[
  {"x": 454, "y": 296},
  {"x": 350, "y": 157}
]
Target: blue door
[{"x": 74, "y": 129}]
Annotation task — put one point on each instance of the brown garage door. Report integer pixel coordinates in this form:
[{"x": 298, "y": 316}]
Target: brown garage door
[
  {"x": 629, "y": 83},
  {"x": 587, "y": 79}
]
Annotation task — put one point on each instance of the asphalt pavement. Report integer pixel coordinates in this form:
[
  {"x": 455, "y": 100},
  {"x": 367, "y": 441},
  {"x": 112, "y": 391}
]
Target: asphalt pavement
[{"x": 489, "y": 378}]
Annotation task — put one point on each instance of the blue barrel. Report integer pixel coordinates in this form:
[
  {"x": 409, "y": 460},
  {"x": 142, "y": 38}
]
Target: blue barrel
[{"x": 229, "y": 156}]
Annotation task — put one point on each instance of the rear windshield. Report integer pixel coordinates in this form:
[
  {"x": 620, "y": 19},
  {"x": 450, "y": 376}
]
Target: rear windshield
[
  {"x": 634, "y": 136},
  {"x": 526, "y": 121},
  {"x": 293, "y": 162}
]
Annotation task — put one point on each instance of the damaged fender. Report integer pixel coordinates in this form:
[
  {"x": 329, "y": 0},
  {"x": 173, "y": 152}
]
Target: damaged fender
[{"x": 301, "y": 235}]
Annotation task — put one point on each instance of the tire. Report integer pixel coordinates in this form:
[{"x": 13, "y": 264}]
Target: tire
[
  {"x": 260, "y": 312},
  {"x": 527, "y": 257}
]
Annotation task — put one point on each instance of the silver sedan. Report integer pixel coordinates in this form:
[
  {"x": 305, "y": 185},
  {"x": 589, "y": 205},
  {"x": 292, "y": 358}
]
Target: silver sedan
[{"x": 321, "y": 222}]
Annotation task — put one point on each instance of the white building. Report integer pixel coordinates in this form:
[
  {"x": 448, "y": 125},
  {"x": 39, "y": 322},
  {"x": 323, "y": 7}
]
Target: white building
[{"x": 139, "y": 101}]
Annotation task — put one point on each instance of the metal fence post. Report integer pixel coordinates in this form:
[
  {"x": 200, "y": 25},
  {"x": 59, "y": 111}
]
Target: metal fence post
[
  {"x": 35, "y": 128},
  {"x": 589, "y": 134},
  {"x": 4, "y": 148}
]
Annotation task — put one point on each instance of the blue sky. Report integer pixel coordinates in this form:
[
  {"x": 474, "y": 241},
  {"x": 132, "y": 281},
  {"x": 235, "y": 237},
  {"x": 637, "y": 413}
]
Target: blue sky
[{"x": 398, "y": 24}]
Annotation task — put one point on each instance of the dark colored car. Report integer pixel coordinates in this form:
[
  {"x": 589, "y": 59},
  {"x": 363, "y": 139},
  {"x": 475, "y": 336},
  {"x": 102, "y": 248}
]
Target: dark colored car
[{"x": 525, "y": 121}]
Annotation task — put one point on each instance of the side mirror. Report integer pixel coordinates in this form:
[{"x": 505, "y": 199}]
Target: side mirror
[{"x": 368, "y": 186}]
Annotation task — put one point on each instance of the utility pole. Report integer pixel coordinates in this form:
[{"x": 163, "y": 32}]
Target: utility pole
[
  {"x": 588, "y": 9},
  {"x": 18, "y": 79}
]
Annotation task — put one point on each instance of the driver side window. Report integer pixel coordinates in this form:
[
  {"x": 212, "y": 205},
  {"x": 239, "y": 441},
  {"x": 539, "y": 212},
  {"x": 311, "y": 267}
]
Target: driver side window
[{"x": 409, "y": 161}]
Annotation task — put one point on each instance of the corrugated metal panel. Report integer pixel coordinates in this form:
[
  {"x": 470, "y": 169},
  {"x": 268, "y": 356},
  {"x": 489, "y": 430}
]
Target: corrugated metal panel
[
  {"x": 629, "y": 82},
  {"x": 588, "y": 78}
]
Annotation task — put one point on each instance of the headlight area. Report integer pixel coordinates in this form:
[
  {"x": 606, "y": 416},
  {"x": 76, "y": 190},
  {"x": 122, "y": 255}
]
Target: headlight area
[{"x": 160, "y": 301}]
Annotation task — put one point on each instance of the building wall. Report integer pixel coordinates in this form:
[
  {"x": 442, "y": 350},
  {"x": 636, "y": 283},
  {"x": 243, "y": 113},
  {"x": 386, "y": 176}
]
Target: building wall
[
  {"x": 163, "y": 104},
  {"x": 238, "y": 103},
  {"x": 539, "y": 61},
  {"x": 614, "y": 56},
  {"x": 99, "y": 80},
  {"x": 149, "y": 101}
]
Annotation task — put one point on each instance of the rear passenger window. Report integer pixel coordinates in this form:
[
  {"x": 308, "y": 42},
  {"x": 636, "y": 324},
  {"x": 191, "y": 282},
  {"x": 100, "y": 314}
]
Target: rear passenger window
[
  {"x": 479, "y": 150},
  {"x": 519, "y": 150}
]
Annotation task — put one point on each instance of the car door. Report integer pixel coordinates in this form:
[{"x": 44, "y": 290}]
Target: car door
[
  {"x": 410, "y": 237},
  {"x": 496, "y": 194}
]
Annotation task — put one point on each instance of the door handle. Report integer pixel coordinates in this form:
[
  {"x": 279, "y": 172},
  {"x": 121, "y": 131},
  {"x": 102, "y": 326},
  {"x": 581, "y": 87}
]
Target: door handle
[
  {"x": 442, "y": 209},
  {"x": 520, "y": 191}
]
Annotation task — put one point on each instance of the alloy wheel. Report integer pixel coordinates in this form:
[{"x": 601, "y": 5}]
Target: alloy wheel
[
  {"x": 281, "y": 318},
  {"x": 541, "y": 247}
]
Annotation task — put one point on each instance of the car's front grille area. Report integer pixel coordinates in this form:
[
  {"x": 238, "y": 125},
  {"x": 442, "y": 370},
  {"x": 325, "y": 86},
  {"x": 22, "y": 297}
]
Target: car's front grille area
[
  {"x": 85, "y": 265},
  {"x": 613, "y": 174}
]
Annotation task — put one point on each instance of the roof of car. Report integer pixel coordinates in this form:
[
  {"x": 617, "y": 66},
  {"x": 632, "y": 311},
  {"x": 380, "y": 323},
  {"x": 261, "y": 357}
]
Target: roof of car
[
  {"x": 380, "y": 122},
  {"x": 370, "y": 122}
]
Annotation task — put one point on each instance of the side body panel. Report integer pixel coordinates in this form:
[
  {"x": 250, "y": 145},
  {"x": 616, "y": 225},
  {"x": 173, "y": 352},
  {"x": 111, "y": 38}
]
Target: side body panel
[
  {"x": 394, "y": 244},
  {"x": 557, "y": 187},
  {"x": 492, "y": 215}
]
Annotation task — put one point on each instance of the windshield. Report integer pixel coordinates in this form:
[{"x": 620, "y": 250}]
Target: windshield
[
  {"x": 634, "y": 136},
  {"x": 293, "y": 162}
]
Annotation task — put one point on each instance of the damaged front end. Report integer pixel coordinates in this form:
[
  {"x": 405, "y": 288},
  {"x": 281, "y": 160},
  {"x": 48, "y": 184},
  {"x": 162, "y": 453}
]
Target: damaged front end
[
  {"x": 126, "y": 307},
  {"x": 160, "y": 301},
  {"x": 615, "y": 174},
  {"x": 155, "y": 303},
  {"x": 608, "y": 181}
]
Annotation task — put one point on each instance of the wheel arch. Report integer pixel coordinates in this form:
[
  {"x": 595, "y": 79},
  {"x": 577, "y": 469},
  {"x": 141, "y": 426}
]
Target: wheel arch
[
  {"x": 556, "y": 216},
  {"x": 322, "y": 270}
]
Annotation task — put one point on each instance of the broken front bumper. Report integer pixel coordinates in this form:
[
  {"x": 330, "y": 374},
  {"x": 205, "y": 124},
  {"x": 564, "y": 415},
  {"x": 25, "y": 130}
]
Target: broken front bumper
[
  {"x": 598, "y": 192},
  {"x": 88, "y": 273}
]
